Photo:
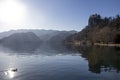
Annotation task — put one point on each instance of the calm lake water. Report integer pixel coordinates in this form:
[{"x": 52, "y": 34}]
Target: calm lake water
[{"x": 60, "y": 63}]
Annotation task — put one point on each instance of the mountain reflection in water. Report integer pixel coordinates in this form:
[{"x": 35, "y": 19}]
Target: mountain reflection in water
[{"x": 60, "y": 62}]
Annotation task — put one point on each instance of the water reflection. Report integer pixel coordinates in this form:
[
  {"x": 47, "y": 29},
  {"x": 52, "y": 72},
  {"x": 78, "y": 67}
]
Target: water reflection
[
  {"x": 100, "y": 59},
  {"x": 10, "y": 73},
  {"x": 61, "y": 63},
  {"x": 43, "y": 49}
]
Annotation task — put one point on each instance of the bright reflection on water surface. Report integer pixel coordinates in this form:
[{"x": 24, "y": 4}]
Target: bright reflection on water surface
[{"x": 10, "y": 73}]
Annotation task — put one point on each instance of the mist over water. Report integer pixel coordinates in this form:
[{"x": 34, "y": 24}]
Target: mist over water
[{"x": 60, "y": 62}]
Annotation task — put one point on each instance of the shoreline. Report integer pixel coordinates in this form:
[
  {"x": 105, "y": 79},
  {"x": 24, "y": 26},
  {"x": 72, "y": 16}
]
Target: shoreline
[
  {"x": 109, "y": 45},
  {"x": 96, "y": 44}
]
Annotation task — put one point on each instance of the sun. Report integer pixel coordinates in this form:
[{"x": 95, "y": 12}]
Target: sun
[{"x": 12, "y": 11}]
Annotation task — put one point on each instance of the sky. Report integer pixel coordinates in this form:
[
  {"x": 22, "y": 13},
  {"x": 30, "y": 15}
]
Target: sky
[{"x": 53, "y": 14}]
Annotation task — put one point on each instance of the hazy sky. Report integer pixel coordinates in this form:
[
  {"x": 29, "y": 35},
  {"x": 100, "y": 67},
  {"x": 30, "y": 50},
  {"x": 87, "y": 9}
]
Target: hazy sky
[{"x": 53, "y": 14}]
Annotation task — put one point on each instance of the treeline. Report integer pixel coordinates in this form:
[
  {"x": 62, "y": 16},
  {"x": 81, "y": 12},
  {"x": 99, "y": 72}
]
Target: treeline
[{"x": 99, "y": 30}]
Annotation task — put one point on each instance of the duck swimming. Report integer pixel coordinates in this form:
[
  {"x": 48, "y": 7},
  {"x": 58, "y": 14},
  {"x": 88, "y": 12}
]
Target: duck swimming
[{"x": 14, "y": 69}]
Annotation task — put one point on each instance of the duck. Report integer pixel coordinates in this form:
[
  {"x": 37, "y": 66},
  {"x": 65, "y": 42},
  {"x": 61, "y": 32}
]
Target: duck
[{"x": 14, "y": 69}]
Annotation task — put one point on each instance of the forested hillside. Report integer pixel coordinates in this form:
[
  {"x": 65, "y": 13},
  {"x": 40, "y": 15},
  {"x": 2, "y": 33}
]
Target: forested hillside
[{"x": 105, "y": 30}]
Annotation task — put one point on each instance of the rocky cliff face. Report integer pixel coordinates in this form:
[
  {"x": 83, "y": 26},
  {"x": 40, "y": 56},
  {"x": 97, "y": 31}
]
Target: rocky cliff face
[{"x": 94, "y": 20}]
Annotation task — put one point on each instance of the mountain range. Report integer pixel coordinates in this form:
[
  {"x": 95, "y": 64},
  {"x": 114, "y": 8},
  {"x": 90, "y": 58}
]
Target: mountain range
[{"x": 29, "y": 40}]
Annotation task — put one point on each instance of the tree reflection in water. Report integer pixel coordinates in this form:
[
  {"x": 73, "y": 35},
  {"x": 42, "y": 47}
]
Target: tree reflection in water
[{"x": 100, "y": 59}]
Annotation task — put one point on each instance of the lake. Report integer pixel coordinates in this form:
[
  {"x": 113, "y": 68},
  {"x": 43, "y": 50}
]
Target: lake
[{"x": 60, "y": 63}]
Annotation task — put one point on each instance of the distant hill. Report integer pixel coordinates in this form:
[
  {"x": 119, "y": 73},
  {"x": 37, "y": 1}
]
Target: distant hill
[
  {"x": 40, "y": 33},
  {"x": 25, "y": 40},
  {"x": 59, "y": 38},
  {"x": 44, "y": 35},
  {"x": 31, "y": 39},
  {"x": 21, "y": 41},
  {"x": 99, "y": 30}
]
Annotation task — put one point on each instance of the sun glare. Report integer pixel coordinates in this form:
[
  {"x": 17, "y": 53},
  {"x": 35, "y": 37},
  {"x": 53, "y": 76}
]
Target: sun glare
[
  {"x": 12, "y": 11},
  {"x": 10, "y": 74}
]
